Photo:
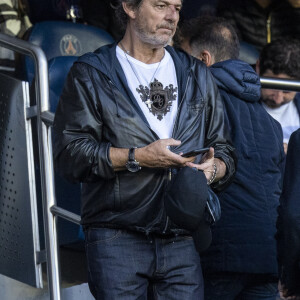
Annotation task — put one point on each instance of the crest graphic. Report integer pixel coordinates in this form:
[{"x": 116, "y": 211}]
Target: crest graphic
[
  {"x": 70, "y": 45},
  {"x": 158, "y": 99}
]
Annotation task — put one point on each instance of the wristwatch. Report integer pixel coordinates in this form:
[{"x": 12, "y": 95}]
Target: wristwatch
[{"x": 132, "y": 165}]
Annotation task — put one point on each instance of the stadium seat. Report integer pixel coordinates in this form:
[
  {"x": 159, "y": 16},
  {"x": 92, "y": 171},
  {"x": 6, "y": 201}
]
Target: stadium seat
[
  {"x": 248, "y": 53},
  {"x": 58, "y": 69},
  {"x": 62, "y": 38},
  {"x": 67, "y": 194}
]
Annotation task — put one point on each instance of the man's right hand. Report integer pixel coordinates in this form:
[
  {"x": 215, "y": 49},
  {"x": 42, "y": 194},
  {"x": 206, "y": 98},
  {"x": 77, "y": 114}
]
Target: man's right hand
[
  {"x": 158, "y": 155},
  {"x": 154, "y": 155}
]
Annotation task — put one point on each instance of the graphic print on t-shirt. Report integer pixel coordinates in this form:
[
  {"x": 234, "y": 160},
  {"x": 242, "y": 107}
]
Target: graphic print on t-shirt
[
  {"x": 158, "y": 102},
  {"x": 158, "y": 99}
]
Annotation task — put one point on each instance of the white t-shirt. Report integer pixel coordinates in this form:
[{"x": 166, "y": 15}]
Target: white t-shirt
[
  {"x": 287, "y": 115},
  {"x": 159, "y": 103}
]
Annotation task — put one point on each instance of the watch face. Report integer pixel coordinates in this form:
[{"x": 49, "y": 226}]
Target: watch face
[{"x": 133, "y": 166}]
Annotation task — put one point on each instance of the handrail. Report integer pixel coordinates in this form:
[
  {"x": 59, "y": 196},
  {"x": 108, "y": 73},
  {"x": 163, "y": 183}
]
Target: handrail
[
  {"x": 280, "y": 84},
  {"x": 65, "y": 214},
  {"x": 45, "y": 154}
]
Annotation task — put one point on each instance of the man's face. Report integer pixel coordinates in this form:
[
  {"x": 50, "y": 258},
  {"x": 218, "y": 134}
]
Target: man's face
[
  {"x": 276, "y": 98},
  {"x": 155, "y": 21}
]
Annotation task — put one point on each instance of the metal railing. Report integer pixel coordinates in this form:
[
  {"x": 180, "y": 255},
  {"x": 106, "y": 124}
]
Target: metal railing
[
  {"x": 280, "y": 84},
  {"x": 45, "y": 155},
  {"x": 44, "y": 122}
]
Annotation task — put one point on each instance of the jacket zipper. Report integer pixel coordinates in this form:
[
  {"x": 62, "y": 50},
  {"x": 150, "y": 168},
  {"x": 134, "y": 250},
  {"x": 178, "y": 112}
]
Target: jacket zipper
[{"x": 269, "y": 29}]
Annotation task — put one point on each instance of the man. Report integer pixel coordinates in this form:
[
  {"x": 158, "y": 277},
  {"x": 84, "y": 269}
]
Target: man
[
  {"x": 281, "y": 59},
  {"x": 288, "y": 225},
  {"x": 241, "y": 262},
  {"x": 259, "y": 22},
  {"x": 126, "y": 112}
]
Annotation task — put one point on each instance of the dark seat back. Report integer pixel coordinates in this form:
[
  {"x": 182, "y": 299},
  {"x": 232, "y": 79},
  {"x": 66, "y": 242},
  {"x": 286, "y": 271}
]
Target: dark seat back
[
  {"x": 248, "y": 53},
  {"x": 58, "y": 70},
  {"x": 67, "y": 194}
]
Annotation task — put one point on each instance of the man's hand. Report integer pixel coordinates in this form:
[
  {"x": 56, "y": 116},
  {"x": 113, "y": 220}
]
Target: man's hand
[
  {"x": 158, "y": 155},
  {"x": 154, "y": 155},
  {"x": 207, "y": 165}
]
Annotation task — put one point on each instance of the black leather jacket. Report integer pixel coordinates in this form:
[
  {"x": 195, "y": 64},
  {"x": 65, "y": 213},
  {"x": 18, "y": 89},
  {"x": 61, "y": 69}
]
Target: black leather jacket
[{"x": 97, "y": 110}]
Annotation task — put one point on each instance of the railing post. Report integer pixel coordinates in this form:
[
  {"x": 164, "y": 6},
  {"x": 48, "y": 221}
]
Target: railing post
[{"x": 45, "y": 154}]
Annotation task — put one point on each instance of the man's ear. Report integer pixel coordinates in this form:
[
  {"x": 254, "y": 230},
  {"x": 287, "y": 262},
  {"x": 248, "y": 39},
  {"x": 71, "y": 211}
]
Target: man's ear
[
  {"x": 206, "y": 57},
  {"x": 257, "y": 67},
  {"x": 131, "y": 13}
]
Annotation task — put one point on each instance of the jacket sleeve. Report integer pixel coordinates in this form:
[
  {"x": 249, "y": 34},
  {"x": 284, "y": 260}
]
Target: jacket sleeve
[
  {"x": 80, "y": 152},
  {"x": 217, "y": 134}
]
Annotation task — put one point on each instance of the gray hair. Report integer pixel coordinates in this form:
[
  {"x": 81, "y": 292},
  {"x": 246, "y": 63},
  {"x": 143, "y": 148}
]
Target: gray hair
[{"x": 121, "y": 16}]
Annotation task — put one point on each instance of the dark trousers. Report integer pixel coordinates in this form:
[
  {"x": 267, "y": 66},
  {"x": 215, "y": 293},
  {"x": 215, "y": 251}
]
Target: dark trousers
[
  {"x": 240, "y": 286},
  {"x": 125, "y": 265}
]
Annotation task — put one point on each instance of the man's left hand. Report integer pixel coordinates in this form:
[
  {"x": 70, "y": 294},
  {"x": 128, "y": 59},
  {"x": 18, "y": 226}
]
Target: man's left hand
[{"x": 207, "y": 165}]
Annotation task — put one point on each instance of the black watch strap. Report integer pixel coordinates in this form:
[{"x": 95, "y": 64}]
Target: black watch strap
[
  {"x": 132, "y": 165},
  {"x": 131, "y": 156}
]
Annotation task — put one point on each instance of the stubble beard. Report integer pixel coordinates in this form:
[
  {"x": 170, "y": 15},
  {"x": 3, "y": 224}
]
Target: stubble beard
[
  {"x": 153, "y": 38},
  {"x": 272, "y": 104}
]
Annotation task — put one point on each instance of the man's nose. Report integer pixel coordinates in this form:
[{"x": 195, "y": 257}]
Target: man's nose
[
  {"x": 278, "y": 97},
  {"x": 172, "y": 13}
]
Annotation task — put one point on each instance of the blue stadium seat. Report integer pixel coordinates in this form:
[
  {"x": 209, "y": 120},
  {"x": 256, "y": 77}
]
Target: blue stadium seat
[
  {"x": 248, "y": 53},
  {"x": 62, "y": 38},
  {"x": 58, "y": 69},
  {"x": 67, "y": 194},
  {"x": 62, "y": 43}
]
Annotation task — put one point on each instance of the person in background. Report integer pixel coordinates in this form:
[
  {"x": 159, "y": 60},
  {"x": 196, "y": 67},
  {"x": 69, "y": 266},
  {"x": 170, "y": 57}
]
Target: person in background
[
  {"x": 281, "y": 60},
  {"x": 14, "y": 21},
  {"x": 241, "y": 262},
  {"x": 193, "y": 9},
  {"x": 127, "y": 113},
  {"x": 102, "y": 14},
  {"x": 288, "y": 224},
  {"x": 259, "y": 22}
]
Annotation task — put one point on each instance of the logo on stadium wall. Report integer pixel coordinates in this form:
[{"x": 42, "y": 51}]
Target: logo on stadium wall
[{"x": 70, "y": 45}]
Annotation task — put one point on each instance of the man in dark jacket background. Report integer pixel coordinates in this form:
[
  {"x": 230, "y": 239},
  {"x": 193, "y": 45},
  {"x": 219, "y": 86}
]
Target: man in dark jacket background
[
  {"x": 259, "y": 22},
  {"x": 288, "y": 234},
  {"x": 241, "y": 262},
  {"x": 126, "y": 114}
]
